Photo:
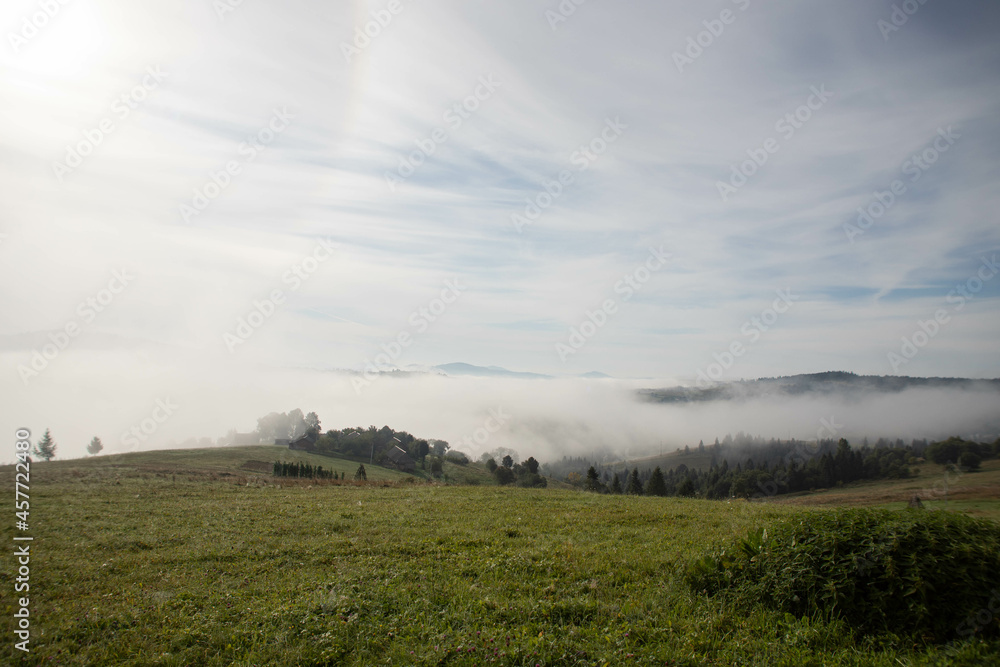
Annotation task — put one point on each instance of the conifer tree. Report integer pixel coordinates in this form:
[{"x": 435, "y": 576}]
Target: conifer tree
[
  {"x": 634, "y": 486},
  {"x": 46, "y": 447},
  {"x": 593, "y": 480},
  {"x": 656, "y": 486},
  {"x": 616, "y": 484}
]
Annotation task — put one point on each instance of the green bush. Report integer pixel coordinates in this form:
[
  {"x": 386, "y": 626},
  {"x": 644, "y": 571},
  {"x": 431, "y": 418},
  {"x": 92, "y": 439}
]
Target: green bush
[{"x": 913, "y": 573}]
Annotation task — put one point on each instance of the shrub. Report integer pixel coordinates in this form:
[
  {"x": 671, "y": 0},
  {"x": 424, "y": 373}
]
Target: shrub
[
  {"x": 504, "y": 475},
  {"x": 910, "y": 572},
  {"x": 457, "y": 458},
  {"x": 530, "y": 480},
  {"x": 969, "y": 460}
]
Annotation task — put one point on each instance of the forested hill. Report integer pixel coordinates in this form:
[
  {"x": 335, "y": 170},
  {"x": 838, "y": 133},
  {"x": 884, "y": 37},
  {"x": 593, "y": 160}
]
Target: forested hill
[{"x": 833, "y": 382}]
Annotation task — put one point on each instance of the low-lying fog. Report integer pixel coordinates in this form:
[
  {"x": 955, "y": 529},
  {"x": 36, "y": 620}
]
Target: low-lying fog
[{"x": 542, "y": 418}]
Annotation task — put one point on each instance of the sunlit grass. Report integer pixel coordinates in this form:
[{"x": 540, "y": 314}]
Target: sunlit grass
[{"x": 180, "y": 570}]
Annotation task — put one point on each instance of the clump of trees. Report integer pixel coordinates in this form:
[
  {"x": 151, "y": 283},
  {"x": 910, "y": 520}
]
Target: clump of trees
[
  {"x": 519, "y": 474},
  {"x": 290, "y": 425},
  {"x": 374, "y": 443},
  {"x": 966, "y": 454},
  {"x": 303, "y": 471}
]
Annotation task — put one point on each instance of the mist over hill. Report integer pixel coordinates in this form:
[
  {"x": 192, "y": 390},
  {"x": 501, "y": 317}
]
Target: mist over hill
[
  {"x": 848, "y": 385},
  {"x": 602, "y": 418}
]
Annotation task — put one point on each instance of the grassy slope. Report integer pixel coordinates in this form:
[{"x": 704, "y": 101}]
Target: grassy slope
[
  {"x": 977, "y": 493},
  {"x": 135, "y": 566},
  {"x": 221, "y": 461},
  {"x": 694, "y": 460}
]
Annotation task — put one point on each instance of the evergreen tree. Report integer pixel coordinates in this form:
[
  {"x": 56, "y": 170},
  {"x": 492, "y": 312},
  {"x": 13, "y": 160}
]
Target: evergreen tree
[
  {"x": 634, "y": 486},
  {"x": 46, "y": 447},
  {"x": 361, "y": 474},
  {"x": 593, "y": 480},
  {"x": 95, "y": 446},
  {"x": 656, "y": 486},
  {"x": 616, "y": 484}
]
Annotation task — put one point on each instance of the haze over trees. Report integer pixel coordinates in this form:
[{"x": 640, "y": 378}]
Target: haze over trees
[
  {"x": 744, "y": 468},
  {"x": 290, "y": 425}
]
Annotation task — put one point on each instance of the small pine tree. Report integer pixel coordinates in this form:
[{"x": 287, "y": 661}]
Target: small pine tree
[
  {"x": 46, "y": 447},
  {"x": 656, "y": 486},
  {"x": 616, "y": 484},
  {"x": 361, "y": 474},
  {"x": 95, "y": 446},
  {"x": 593, "y": 480},
  {"x": 634, "y": 486}
]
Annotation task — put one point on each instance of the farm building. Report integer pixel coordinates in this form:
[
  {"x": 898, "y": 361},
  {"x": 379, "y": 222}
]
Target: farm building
[
  {"x": 305, "y": 443},
  {"x": 400, "y": 460}
]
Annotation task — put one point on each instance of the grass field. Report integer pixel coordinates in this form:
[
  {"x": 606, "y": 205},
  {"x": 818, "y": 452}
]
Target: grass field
[
  {"x": 975, "y": 493},
  {"x": 169, "y": 558}
]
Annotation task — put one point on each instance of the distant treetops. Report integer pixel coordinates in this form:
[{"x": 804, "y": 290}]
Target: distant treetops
[{"x": 519, "y": 474}]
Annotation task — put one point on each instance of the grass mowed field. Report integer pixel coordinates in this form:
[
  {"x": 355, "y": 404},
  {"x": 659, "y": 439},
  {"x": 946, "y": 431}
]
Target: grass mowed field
[{"x": 133, "y": 565}]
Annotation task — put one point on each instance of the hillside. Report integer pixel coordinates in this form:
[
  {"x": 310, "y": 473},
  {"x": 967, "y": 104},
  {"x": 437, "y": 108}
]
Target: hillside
[
  {"x": 834, "y": 382},
  {"x": 218, "y": 461}
]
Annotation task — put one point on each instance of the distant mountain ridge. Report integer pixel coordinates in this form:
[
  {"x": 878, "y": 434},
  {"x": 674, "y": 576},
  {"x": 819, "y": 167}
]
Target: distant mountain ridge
[
  {"x": 811, "y": 383},
  {"x": 459, "y": 368}
]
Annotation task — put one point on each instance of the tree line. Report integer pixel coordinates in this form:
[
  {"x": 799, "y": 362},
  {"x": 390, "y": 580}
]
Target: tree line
[
  {"x": 802, "y": 467},
  {"x": 303, "y": 470}
]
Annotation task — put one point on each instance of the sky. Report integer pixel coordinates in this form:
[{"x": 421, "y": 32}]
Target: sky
[{"x": 216, "y": 201}]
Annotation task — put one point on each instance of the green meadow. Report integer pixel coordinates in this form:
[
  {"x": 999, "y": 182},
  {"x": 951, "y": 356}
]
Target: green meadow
[{"x": 184, "y": 558}]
